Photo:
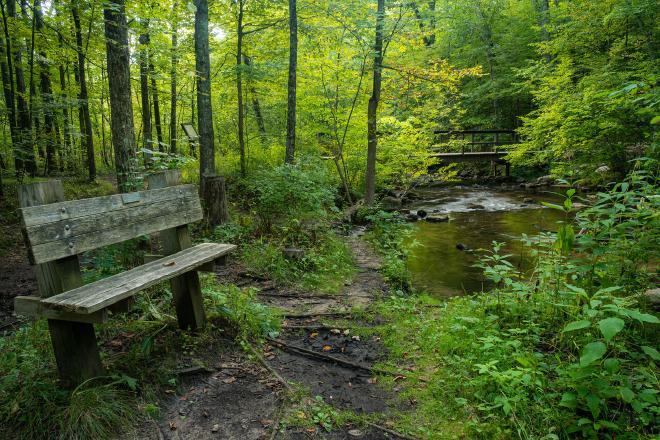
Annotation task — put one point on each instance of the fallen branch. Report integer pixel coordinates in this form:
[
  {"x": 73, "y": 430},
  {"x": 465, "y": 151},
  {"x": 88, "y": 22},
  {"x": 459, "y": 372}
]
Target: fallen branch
[
  {"x": 312, "y": 315},
  {"x": 299, "y": 350},
  {"x": 327, "y": 358},
  {"x": 390, "y": 431},
  {"x": 267, "y": 366}
]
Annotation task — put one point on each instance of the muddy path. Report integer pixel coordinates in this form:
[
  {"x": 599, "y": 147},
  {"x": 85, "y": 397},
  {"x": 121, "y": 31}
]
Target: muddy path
[{"x": 245, "y": 398}]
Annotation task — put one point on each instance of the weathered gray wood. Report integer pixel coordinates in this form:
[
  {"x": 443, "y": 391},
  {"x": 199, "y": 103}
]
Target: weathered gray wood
[
  {"x": 186, "y": 291},
  {"x": 74, "y": 343},
  {"x": 185, "y": 213},
  {"x": 32, "y": 306},
  {"x": 69, "y": 228},
  {"x": 216, "y": 213},
  {"x": 102, "y": 293},
  {"x": 37, "y": 215}
]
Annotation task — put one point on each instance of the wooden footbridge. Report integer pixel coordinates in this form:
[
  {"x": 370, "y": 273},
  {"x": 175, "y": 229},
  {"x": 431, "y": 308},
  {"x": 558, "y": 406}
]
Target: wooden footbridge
[{"x": 477, "y": 146}]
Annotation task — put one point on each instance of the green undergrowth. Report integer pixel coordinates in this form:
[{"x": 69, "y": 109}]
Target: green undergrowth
[
  {"x": 571, "y": 352},
  {"x": 389, "y": 235},
  {"x": 291, "y": 207},
  {"x": 142, "y": 350}
]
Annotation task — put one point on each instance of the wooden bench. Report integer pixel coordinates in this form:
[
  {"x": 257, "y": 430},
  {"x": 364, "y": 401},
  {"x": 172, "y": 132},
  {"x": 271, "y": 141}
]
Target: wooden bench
[{"x": 56, "y": 231}]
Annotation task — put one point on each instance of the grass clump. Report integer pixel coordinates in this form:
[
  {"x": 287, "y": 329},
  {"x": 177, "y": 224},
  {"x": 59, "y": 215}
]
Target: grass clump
[{"x": 32, "y": 405}]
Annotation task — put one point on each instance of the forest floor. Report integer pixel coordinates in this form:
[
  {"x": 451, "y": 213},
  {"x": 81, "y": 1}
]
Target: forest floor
[{"x": 316, "y": 351}]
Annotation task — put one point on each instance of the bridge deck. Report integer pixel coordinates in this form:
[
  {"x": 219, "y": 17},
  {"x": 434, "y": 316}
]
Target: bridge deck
[{"x": 470, "y": 156}]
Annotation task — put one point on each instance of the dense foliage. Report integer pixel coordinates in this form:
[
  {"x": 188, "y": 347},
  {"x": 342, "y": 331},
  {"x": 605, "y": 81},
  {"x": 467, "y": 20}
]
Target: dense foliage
[
  {"x": 579, "y": 80},
  {"x": 571, "y": 351}
]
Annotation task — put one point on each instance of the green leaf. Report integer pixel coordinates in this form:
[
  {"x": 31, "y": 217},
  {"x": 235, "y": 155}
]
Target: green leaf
[
  {"x": 576, "y": 325},
  {"x": 553, "y": 206},
  {"x": 569, "y": 400},
  {"x": 627, "y": 394},
  {"x": 591, "y": 353},
  {"x": 651, "y": 352},
  {"x": 611, "y": 365},
  {"x": 642, "y": 317},
  {"x": 655, "y": 120},
  {"x": 609, "y": 327}
]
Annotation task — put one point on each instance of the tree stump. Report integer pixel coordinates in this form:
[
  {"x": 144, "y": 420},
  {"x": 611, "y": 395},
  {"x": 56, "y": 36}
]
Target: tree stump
[{"x": 215, "y": 198}]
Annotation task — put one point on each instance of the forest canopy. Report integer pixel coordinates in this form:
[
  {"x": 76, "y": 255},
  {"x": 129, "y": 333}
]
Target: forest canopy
[{"x": 576, "y": 79}]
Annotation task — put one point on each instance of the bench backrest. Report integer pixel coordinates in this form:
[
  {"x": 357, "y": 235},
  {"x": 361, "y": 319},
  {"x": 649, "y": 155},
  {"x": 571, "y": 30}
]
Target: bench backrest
[{"x": 63, "y": 229}]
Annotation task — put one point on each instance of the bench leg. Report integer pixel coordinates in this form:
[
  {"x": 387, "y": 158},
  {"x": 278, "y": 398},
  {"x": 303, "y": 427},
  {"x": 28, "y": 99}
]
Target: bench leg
[
  {"x": 188, "y": 301},
  {"x": 76, "y": 351}
]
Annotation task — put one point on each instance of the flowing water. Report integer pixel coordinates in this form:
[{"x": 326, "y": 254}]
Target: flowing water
[{"x": 477, "y": 216}]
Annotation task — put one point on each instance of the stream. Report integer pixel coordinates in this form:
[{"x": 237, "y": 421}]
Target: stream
[{"x": 477, "y": 217}]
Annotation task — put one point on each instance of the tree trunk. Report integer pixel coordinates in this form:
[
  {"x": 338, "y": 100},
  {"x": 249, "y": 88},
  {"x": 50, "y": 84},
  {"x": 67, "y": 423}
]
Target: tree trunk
[
  {"x": 25, "y": 159},
  {"x": 6, "y": 69},
  {"x": 154, "y": 94},
  {"x": 216, "y": 207},
  {"x": 204, "y": 108},
  {"x": 144, "y": 92},
  {"x": 86, "y": 121},
  {"x": 291, "y": 88},
  {"x": 256, "y": 106},
  {"x": 50, "y": 129},
  {"x": 372, "y": 142},
  {"x": 239, "y": 87},
  {"x": 173, "y": 97},
  {"x": 119, "y": 78}
]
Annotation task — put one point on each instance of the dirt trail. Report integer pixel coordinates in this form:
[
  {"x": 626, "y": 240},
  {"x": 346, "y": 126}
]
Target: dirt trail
[{"x": 242, "y": 400}]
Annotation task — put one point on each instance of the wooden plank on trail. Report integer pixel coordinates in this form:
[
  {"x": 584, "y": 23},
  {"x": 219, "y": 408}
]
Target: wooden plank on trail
[
  {"x": 100, "y": 294},
  {"x": 107, "y": 221}
]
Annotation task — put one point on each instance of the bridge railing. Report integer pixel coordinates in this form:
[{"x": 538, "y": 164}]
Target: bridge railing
[{"x": 478, "y": 140}]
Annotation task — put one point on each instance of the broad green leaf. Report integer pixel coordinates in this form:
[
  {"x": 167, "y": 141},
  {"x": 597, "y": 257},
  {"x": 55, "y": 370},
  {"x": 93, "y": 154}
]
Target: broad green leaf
[
  {"x": 576, "y": 325},
  {"x": 611, "y": 365},
  {"x": 592, "y": 352},
  {"x": 609, "y": 327},
  {"x": 569, "y": 400},
  {"x": 651, "y": 352},
  {"x": 627, "y": 394},
  {"x": 642, "y": 317}
]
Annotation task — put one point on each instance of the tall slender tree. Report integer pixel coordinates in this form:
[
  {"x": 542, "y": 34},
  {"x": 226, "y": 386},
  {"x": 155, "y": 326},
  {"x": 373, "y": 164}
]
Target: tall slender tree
[
  {"x": 204, "y": 107},
  {"x": 239, "y": 84},
  {"x": 25, "y": 153},
  {"x": 119, "y": 78},
  {"x": 85, "y": 119},
  {"x": 144, "y": 90},
  {"x": 173, "y": 92},
  {"x": 50, "y": 122},
  {"x": 291, "y": 88},
  {"x": 372, "y": 110},
  {"x": 6, "y": 69}
]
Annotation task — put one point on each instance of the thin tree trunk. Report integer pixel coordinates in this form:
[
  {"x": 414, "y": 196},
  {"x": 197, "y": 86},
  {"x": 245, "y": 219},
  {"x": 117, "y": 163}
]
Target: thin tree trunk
[
  {"x": 8, "y": 80},
  {"x": 239, "y": 87},
  {"x": 372, "y": 142},
  {"x": 144, "y": 92},
  {"x": 291, "y": 88},
  {"x": 86, "y": 121},
  {"x": 50, "y": 128},
  {"x": 119, "y": 78},
  {"x": 204, "y": 107},
  {"x": 154, "y": 94},
  {"x": 256, "y": 106},
  {"x": 26, "y": 150},
  {"x": 173, "y": 96}
]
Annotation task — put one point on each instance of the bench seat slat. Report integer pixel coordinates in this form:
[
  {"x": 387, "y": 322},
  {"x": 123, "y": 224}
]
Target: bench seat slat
[{"x": 100, "y": 294}]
